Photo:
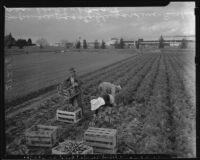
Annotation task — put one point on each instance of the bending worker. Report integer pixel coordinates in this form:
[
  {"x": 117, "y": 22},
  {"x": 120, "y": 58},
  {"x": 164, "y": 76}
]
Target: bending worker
[{"x": 109, "y": 88}]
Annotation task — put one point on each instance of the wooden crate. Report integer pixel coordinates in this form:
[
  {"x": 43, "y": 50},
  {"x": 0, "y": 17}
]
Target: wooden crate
[
  {"x": 102, "y": 140},
  {"x": 41, "y": 135},
  {"x": 69, "y": 117},
  {"x": 56, "y": 151}
]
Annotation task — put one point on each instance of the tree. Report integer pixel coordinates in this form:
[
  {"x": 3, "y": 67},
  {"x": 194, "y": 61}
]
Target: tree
[
  {"x": 9, "y": 41},
  {"x": 103, "y": 45},
  {"x": 42, "y": 42},
  {"x": 137, "y": 44},
  {"x": 184, "y": 43},
  {"x": 121, "y": 43},
  {"x": 21, "y": 43},
  {"x": 78, "y": 45},
  {"x": 29, "y": 42},
  {"x": 161, "y": 42},
  {"x": 96, "y": 44},
  {"x": 116, "y": 45},
  {"x": 84, "y": 44}
]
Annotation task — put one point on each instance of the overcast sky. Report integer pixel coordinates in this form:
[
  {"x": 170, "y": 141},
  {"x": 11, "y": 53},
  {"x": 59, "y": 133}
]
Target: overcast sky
[{"x": 55, "y": 24}]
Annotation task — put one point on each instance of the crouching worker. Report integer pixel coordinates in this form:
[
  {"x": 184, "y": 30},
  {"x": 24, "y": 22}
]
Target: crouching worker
[
  {"x": 109, "y": 88},
  {"x": 106, "y": 100}
]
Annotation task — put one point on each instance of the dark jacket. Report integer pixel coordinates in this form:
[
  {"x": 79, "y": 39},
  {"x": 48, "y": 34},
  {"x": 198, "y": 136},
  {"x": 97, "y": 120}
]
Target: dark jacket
[
  {"x": 106, "y": 98},
  {"x": 76, "y": 80}
]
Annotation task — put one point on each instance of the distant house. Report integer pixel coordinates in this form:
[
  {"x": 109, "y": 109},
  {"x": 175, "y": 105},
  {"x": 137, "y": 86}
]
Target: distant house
[
  {"x": 111, "y": 43},
  {"x": 69, "y": 45},
  {"x": 129, "y": 44},
  {"x": 151, "y": 44},
  {"x": 176, "y": 40},
  {"x": 90, "y": 44}
]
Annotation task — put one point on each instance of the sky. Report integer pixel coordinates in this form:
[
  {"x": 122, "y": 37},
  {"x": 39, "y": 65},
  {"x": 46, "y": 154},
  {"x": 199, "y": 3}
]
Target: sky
[{"x": 101, "y": 23}]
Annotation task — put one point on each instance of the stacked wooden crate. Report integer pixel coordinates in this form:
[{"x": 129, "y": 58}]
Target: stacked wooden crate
[
  {"x": 69, "y": 115},
  {"x": 41, "y": 135},
  {"x": 72, "y": 147},
  {"x": 102, "y": 140}
]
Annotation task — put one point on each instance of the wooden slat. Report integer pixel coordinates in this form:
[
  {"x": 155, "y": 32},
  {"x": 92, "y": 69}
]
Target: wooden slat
[
  {"x": 65, "y": 118},
  {"x": 104, "y": 151},
  {"x": 100, "y": 139},
  {"x": 105, "y": 137},
  {"x": 32, "y": 135},
  {"x": 99, "y": 133},
  {"x": 102, "y": 130},
  {"x": 39, "y": 139},
  {"x": 98, "y": 144},
  {"x": 66, "y": 112}
]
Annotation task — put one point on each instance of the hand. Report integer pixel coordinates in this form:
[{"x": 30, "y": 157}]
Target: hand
[
  {"x": 75, "y": 84},
  {"x": 95, "y": 117}
]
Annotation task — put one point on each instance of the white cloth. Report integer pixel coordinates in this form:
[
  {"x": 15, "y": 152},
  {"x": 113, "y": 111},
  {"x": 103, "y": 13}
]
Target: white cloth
[
  {"x": 72, "y": 80},
  {"x": 96, "y": 103}
]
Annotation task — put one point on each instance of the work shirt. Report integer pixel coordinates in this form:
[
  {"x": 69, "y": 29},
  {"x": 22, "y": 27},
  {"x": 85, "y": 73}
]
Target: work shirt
[{"x": 107, "y": 88}]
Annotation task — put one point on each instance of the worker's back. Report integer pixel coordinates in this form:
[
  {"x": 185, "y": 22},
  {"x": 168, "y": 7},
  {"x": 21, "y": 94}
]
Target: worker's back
[{"x": 106, "y": 87}]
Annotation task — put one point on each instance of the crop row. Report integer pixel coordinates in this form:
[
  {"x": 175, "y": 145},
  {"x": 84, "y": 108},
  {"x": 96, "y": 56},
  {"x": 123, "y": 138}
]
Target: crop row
[
  {"x": 114, "y": 75},
  {"x": 182, "y": 116},
  {"x": 126, "y": 96},
  {"x": 155, "y": 117},
  {"x": 189, "y": 68},
  {"x": 187, "y": 83}
]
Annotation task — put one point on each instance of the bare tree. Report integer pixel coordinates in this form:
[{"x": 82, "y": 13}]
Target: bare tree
[{"x": 42, "y": 42}]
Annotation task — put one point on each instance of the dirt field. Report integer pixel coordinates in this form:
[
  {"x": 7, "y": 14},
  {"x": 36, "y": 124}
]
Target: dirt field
[
  {"x": 155, "y": 112},
  {"x": 31, "y": 72}
]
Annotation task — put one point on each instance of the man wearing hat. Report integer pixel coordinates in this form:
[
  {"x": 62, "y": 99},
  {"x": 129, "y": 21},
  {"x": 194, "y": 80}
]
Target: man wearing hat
[
  {"x": 108, "y": 88},
  {"x": 106, "y": 100},
  {"x": 76, "y": 83}
]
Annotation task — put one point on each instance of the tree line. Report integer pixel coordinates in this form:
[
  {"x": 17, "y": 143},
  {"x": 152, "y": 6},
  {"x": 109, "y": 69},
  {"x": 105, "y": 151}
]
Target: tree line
[{"x": 10, "y": 41}]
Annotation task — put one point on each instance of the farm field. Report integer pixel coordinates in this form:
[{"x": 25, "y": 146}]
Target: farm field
[
  {"x": 155, "y": 112},
  {"x": 31, "y": 72}
]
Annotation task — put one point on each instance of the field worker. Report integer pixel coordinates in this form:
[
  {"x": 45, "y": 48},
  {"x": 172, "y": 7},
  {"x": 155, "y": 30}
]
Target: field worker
[
  {"x": 106, "y": 100},
  {"x": 108, "y": 88},
  {"x": 75, "y": 82}
]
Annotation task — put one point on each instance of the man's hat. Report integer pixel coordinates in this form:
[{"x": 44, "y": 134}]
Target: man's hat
[{"x": 96, "y": 103}]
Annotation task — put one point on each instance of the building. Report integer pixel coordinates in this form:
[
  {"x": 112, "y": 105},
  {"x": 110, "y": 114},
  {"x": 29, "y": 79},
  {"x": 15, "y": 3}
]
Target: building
[
  {"x": 176, "y": 40},
  {"x": 111, "y": 43},
  {"x": 130, "y": 44}
]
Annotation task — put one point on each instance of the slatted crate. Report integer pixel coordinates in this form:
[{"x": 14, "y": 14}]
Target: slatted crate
[
  {"x": 57, "y": 150},
  {"x": 102, "y": 140},
  {"x": 69, "y": 117},
  {"x": 41, "y": 135}
]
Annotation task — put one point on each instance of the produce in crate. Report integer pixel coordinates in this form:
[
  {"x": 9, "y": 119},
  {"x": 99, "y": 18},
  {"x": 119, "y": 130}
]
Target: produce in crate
[
  {"x": 72, "y": 147},
  {"x": 69, "y": 107}
]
